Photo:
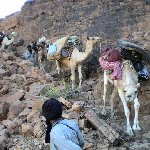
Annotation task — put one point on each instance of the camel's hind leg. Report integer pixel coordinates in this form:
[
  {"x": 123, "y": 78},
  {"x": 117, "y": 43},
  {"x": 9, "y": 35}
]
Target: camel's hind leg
[
  {"x": 105, "y": 91},
  {"x": 80, "y": 75},
  {"x": 136, "y": 121},
  {"x": 73, "y": 77}
]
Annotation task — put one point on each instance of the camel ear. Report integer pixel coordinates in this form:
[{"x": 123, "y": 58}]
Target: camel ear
[
  {"x": 138, "y": 85},
  {"x": 131, "y": 67}
]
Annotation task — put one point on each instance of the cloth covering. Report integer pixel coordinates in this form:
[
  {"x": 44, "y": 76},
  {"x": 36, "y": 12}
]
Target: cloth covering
[{"x": 114, "y": 66}]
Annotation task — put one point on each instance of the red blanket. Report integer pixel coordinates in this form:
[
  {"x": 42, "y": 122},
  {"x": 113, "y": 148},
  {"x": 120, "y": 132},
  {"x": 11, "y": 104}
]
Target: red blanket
[{"x": 114, "y": 66}]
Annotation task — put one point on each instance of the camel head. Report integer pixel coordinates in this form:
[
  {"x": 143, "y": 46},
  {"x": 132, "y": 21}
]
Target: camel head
[
  {"x": 130, "y": 83},
  {"x": 130, "y": 91},
  {"x": 42, "y": 39},
  {"x": 127, "y": 64},
  {"x": 13, "y": 34},
  {"x": 94, "y": 40}
]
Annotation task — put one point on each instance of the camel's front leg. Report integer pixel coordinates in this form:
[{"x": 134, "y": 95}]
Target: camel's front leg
[
  {"x": 111, "y": 101},
  {"x": 58, "y": 66},
  {"x": 105, "y": 90},
  {"x": 126, "y": 110},
  {"x": 136, "y": 121},
  {"x": 80, "y": 75},
  {"x": 73, "y": 77}
]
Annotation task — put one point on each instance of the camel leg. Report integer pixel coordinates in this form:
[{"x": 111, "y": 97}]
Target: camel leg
[
  {"x": 136, "y": 122},
  {"x": 80, "y": 75},
  {"x": 58, "y": 66},
  {"x": 105, "y": 90},
  {"x": 42, "y": 65},
  {"x": 126, "y": 110},
  {"x": 39, "y": 61},
  {"x": 73, "y": 77},
  {"x": 111, "y": 101}
]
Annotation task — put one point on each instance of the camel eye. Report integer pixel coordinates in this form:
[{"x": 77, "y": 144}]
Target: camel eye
[
  {"x": 125, "y": 91},
  {"x": 135, "y": 92}
]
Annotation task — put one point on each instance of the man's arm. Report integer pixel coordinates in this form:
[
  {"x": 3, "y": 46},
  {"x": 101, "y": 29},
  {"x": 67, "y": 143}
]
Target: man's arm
[{"x": 80, "y": 137}]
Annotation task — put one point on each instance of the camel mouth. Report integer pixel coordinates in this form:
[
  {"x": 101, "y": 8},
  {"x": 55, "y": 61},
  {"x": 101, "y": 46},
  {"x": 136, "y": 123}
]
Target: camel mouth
[
  {"x": 94, "y": 38},
  {"x": 129, "y": 100}
]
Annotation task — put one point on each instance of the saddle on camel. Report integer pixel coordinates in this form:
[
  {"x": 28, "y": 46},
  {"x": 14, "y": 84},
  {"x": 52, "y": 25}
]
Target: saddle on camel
[{"x": 63, "y": 47}]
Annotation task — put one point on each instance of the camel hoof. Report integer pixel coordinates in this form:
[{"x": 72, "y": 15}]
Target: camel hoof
[
  {"x": 103, "y": 112},
  {"x": 79, "y": 89},
  {"x": 129, "y": 131},
  {"x": 112, "y": 116},
  {"x": 136, "y": 127}
]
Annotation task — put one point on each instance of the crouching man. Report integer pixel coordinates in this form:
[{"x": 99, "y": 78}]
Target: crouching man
[{"x": 62, "y": 134}]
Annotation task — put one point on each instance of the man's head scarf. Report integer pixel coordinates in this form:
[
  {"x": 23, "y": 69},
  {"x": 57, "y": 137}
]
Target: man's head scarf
[{"x": 52, "y": 109}]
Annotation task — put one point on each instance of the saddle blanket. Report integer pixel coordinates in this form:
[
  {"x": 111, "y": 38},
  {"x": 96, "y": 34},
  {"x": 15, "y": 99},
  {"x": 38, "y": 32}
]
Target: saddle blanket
[{"x": 114, "y": 66}]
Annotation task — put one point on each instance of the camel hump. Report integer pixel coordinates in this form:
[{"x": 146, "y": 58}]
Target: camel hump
[{"x": 60, "y": 43}]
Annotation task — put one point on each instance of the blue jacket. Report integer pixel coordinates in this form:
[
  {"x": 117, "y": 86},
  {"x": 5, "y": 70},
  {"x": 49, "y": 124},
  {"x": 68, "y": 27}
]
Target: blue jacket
[
  {"x": 28, "y": 56},
  {"x": 65, "y": 135}
]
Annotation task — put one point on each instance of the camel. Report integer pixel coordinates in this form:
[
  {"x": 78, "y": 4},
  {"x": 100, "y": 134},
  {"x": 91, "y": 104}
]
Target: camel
[
  {"x": 127, "y": 88},
  {"x": 42, "y": 52},
  {"x": 42, "y": 57},
  {"x": 6, "y": 41},
  {"x": 75, "y": 60}
]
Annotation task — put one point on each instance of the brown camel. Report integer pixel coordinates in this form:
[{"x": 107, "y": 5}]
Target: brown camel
[{"x": 76, "y": 59}]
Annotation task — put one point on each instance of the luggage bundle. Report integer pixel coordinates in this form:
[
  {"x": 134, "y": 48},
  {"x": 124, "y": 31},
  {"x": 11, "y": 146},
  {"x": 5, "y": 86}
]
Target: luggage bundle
[{"x": 137, "y": 55}]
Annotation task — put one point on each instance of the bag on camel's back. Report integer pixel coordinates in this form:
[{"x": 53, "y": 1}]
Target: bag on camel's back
[{"x": 54, "y": 49}]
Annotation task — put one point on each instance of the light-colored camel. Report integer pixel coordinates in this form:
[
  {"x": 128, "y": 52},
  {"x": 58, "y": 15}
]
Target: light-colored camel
[
  {"x": 6, "y": 41},
  {"x": 76, "y": 59},
  {"x": 127, "y": 89}
]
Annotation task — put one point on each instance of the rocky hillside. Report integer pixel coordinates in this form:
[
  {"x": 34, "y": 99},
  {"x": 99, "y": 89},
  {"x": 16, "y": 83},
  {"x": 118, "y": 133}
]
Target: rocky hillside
[
  {"x": 108, "y": 19},
  {"x": 23, "y": 88}
]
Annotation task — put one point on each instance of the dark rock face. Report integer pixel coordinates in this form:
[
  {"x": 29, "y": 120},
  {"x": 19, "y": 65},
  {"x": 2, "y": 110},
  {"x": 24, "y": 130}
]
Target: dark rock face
[{"x": 108, "y": 19}]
